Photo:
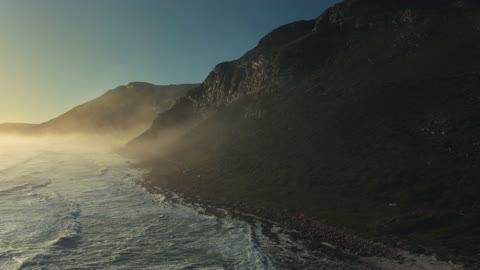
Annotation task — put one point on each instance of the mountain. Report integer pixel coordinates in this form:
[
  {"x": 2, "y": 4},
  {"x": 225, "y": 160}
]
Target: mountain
[
  {"x": 126, "y": 109},
  {"x": 366, "y": 118}
]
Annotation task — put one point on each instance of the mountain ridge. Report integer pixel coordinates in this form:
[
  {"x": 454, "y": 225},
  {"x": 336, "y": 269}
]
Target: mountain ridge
[
  {"x": 126, "y": 109},
  {"x": 338, "y": 118}
]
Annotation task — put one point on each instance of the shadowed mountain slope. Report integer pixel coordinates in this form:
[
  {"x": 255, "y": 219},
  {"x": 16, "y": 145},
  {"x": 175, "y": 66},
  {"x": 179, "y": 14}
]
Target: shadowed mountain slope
[{"x": 367, "y": 117}]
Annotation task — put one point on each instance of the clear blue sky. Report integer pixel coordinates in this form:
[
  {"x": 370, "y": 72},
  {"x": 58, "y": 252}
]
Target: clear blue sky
[{"x": 55, "y": 54}]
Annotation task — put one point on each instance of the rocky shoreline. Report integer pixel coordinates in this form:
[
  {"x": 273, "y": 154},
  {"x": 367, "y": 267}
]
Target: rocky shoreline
[{"x": 338, "y": 244}]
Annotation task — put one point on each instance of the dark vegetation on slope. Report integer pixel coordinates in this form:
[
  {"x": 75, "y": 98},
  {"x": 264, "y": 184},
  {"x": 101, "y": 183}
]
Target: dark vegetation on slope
[
  {"x": 367, "y": 117},
  {"x": 126, "y": 109}
]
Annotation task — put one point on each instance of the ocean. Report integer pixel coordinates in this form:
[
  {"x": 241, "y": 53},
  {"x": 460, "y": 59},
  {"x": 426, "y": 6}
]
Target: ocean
[{"x": 78, "y": 207}]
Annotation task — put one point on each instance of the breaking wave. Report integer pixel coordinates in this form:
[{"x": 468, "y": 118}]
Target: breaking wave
[{"x": 88, "y": 213}]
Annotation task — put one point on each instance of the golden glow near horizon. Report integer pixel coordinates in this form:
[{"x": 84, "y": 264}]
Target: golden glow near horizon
[
  {"x": 24, "y": 101},
  {"x": 25, "y": 73},
  {"x": 16, "y": 105}
]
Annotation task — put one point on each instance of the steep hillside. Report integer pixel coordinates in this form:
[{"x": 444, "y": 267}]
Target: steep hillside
[
  {"x": 130, "y": 107},
  {"x": 367, "y": 117},
  {"x": 125, "y": 109}
]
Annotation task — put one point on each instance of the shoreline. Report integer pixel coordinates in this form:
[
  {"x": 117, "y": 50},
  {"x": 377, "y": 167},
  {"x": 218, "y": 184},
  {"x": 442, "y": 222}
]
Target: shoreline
[{"x": 335, "y": 243}]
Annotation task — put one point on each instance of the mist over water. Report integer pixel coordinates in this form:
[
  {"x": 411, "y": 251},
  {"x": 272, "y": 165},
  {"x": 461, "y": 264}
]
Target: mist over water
[{"x": 77, "y": 207}]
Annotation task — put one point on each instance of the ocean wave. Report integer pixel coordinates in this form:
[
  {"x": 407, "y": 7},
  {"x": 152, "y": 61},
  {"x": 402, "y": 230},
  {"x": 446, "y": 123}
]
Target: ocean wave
[
  {"x": 102, "y": 171},
  {"x": 65, "y": 242},
  {"x": 19, "y": 164},
  {"x": 105, "y": 220},
  {"x": 25, "y": 187},
  {"x": 10, "y": 262},
  {"x": 71, "y": 227}
]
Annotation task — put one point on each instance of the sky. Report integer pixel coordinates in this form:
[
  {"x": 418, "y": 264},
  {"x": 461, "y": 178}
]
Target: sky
[{"x": 56, "y": 54}]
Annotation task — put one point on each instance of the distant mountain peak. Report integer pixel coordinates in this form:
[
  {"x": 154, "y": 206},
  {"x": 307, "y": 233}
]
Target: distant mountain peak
[
  {"x": 139, "y": 85},
  {"x": 126, "y": 109}
]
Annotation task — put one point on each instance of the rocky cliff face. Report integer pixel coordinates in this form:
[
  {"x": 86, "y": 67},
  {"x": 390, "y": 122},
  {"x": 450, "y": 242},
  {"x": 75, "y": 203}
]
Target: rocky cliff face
[
  {"x": 373, "y": 104},
  {"x": 291, "y": 52}
]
